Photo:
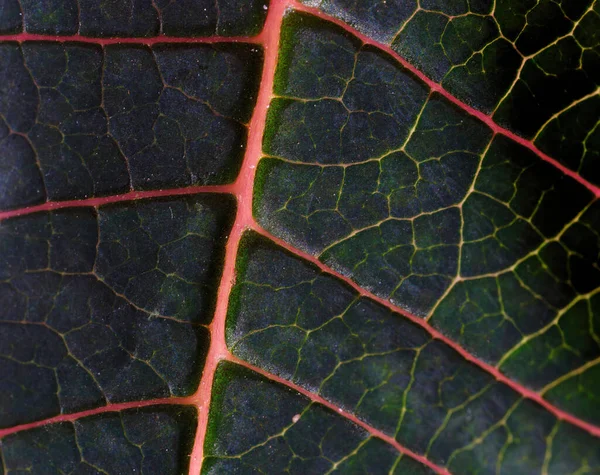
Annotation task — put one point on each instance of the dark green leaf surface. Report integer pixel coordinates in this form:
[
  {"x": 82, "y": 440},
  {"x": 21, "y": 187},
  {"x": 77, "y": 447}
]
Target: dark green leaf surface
[
  {"x": 158, "y": 310},
  {"x": 134, "y": 17},
  {"x": 153, "y": 440},
  {"x": 305, "y": 326},
  {"x": 78, "y": 120},
  {"x": 105, "y": 307},
  {"x": 533, "y": 65},
  {"x": 258, "y": 426},
  {"x": 421, "y": 204}
]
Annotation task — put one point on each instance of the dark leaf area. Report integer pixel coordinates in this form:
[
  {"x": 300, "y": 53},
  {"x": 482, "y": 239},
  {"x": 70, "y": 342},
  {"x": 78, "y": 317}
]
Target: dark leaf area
[
  {"x": 257, "y": 426},
  {"x": 534, "y": 65},
  {"x": 423, "y": 205},
  {"x": 302, "y": 325},
  {"x": 348, "y": 245},
  {"x": 134, "y": 17},
  {"x": 106, "y": 307},
  {"x": 79, "y": 121},
  {"x": 151, "y": 441}
]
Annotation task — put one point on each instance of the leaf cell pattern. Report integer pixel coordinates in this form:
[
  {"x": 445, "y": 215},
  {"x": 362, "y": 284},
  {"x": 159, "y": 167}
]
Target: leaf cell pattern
[
  {"x": 423, "y": 205},
  {"x": 291, "y": 319},
  {"x": 83, "y": 121},
  {"x": 532, "y": 65},
  {"x": 257, "y": 426},
  {"x": 299, "y": 236},
  {"x": 104, "y": 308},
  {"x": 149, "y": 440}
]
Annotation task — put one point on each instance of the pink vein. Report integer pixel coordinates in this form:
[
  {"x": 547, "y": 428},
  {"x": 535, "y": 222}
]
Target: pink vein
[
  {"x": 525, "y": 392},
  {"x": 269, "y": 39},
  {"x": 91, "y": 412},
  {"x": 20, "y": 37},
  {"x": 201, "y": 399},
  {"x": 242, "y": 188},
  {"x": 439, "y": 89},
  {"x": 132, "y": 195},
  {"x": 318, "y": 399}
]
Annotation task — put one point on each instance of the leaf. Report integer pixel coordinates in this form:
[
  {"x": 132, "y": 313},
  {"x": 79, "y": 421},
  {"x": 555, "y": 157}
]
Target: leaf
[
  {"x": 106, "y": 307},
  {"x": 299, "y": 236},
  {"x": 135, "y": 440},
  {"x": 89, "y": 121}
]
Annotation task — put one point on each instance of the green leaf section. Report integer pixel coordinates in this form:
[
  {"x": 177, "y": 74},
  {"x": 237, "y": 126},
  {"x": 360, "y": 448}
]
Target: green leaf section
[
  {"x": 532, "y": 65},
  {"x": 292, "y": 320},
  {"x": 259, "y": 426},
  {"x": 106, "y": 307},
  {"x": 155, "y": 440},
  {"x": 421, "y": 204}
]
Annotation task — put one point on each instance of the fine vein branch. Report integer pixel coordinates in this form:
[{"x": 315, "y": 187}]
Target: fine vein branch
[{"x": 320, "y": 400}]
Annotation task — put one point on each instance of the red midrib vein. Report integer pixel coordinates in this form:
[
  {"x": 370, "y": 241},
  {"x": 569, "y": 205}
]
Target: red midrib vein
[{"x": 242, "y": 189}]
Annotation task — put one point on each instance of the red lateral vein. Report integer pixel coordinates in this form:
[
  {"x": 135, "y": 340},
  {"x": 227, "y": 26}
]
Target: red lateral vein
[
  {"x": 434, "y": 86},
  {"x": 318, "y": 399},
  {"x": 20, "y": 37},
  {"x": 92, "y": 412},
  {"x": 132, "y": 195},
  {"x": 525, "y": 392}
]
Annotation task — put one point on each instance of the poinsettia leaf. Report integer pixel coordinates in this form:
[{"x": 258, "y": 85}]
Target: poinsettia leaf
[{"x": 305, "y": 236}]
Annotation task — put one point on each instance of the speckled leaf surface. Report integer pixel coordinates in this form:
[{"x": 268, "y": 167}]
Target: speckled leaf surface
[
  {"x": 388, "y": 371},
  {"x": 149, "y": 440},
  {"x": 299, "y": 236},
  {"x": 532, "y": 65},
  {"x": 80, "y": 120}
]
